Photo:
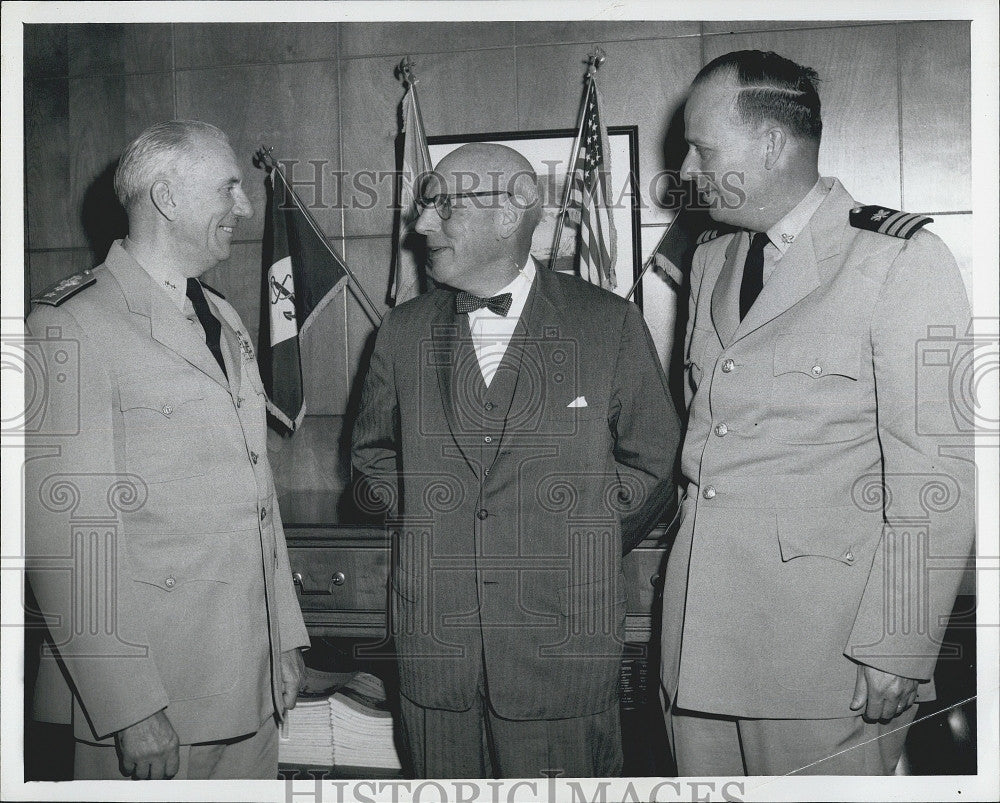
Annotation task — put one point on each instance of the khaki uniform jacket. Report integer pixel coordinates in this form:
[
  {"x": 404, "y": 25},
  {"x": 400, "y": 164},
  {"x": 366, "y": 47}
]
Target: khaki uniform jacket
[
  {"x": 515, "y": 503},
  {"x": 827, "y": 520},
  {"x": 155, "y": 545}
]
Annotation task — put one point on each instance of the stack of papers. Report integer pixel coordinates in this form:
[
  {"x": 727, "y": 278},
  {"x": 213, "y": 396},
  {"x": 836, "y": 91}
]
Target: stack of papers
[{"x": 348, "y": 727}]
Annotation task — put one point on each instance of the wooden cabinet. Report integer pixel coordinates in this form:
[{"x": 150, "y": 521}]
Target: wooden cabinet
[{"x": 341, "y": 576}]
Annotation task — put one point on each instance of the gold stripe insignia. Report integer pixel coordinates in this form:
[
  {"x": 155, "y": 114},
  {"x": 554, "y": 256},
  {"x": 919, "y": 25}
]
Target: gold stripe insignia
[
  {"x": 65, "y": 288},
  {"x": 888, "y": 221}
]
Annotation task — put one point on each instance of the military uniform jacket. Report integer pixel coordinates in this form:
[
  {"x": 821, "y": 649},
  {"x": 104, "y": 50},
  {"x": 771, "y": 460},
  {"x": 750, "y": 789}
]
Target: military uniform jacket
[
  {"x": 829, "y": 505},
  {"x": 155, "y": 545},
  {"x": 513, "y": 504}
]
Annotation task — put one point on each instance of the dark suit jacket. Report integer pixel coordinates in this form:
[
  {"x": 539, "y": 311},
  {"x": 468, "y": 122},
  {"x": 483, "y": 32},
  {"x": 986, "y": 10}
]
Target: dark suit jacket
[{"x": 514, "y": 506}]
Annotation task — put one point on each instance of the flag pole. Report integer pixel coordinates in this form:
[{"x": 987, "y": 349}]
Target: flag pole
[
  {"x": 594, "y": 60},
  {"x": 265, "y": 159},
  {"x": 652, "y": 256}
]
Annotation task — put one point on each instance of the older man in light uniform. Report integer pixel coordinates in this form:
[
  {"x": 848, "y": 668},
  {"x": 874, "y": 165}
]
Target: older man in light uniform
[{"x": 155, "y": 545}]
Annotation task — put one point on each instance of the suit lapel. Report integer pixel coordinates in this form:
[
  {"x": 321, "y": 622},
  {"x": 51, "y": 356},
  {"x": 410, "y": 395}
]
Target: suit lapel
[
  {"x": 448, "y": 345},
  {"x": 726, "y": 295}
]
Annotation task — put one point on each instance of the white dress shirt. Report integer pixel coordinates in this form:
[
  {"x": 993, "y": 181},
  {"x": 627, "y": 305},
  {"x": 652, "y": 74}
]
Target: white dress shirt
[{"x": 491, "y": 333}]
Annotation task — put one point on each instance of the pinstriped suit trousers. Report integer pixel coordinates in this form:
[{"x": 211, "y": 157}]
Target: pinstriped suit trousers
[{"x": 479, "y": 744}]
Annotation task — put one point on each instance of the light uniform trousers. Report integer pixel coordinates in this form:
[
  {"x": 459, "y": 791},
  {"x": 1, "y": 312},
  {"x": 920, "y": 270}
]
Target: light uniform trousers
[
  {"x": 707, "y": 744},
  {"x": 252, "y": 757}
]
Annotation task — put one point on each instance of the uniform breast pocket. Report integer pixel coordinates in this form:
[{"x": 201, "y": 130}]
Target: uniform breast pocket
[
  {"x": 165, "y": 428},
  {"x": 816, "y": 393}
]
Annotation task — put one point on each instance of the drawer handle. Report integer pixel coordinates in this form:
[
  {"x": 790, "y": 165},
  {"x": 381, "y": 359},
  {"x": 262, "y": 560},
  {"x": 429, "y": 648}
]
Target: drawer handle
[{"x": 337, "y": 579}]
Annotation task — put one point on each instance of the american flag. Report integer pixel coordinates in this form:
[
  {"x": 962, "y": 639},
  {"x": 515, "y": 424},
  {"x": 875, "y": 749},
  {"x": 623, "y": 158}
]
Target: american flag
[{"x": 590, "y": 193}]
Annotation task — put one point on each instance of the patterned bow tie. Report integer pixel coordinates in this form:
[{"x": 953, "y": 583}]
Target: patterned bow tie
[{"x": 466, "y": 302}]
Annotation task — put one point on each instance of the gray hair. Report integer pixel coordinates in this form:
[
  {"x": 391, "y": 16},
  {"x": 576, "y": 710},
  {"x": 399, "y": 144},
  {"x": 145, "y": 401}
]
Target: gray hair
[{"x": 155, "y": 152}]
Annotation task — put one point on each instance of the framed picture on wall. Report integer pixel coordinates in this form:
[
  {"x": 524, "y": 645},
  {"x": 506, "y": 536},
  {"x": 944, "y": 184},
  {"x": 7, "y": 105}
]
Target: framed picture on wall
[{"x": 549, "y": 152}]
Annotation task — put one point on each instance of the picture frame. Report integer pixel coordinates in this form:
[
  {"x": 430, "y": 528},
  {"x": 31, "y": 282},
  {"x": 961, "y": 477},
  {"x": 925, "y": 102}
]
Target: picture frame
[{"x": 549, "y": 152}]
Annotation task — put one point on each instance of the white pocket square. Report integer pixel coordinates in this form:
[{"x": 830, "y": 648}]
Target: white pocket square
[{"x": 579, "y": 401}]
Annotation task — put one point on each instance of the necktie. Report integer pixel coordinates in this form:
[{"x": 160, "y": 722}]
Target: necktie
[
  {"x": 466, "y": 302},
  {"x": 211, "y": 325},
  {"x": 753, "y": 273}
]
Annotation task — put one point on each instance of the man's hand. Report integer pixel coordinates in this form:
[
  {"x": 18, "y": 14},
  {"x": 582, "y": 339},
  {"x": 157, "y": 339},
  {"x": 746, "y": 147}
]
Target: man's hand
[
  {"x": 149, "y": 749},
  {"x": 882, "y": 694},
  {"x": 293, "y": 676}
]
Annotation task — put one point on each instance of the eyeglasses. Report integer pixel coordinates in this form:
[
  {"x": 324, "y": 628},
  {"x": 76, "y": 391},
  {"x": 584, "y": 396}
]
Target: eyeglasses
[{"x": 442, "y": 202}]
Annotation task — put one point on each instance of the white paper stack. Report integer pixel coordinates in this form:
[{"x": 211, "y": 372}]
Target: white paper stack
[
  {"x": 306, "y": 735},
  {"x": 349, "y": 728}
]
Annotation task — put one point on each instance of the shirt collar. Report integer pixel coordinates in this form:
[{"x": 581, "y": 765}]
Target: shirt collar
[
  {"x": 169, "y": 281},
  {"x": 783, "y": 233},
  {"x": 519, "y": 287}
]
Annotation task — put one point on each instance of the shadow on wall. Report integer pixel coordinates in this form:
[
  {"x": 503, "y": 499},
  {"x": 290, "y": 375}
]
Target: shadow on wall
[{"x": 103, "y": 218}]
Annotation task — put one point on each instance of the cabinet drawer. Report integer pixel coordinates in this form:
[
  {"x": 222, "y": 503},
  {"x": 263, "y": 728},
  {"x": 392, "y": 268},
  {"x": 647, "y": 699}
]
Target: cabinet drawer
[{"x": 341, "y": 578}]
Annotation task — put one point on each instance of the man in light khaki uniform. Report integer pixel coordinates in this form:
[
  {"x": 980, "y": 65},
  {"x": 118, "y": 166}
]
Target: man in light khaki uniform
[
  {"x": 155, "y": 546},
  {"x": 805, "y": 599}
]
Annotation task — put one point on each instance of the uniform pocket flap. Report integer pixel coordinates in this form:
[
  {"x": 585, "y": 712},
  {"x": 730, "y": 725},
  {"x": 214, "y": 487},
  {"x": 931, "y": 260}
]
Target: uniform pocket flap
[
  {"x": 816, "y": 356},
  {"x": 818, "y": 533},
  {"x": 163, "y": 396}
]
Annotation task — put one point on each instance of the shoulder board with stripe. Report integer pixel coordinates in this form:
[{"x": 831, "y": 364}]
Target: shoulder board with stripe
[
  {"x": 887, "y": 221},
  {"x": 66, "y": 288},
  {"x": 709, "y": 235},
  {"x": 211, "y": 289}
]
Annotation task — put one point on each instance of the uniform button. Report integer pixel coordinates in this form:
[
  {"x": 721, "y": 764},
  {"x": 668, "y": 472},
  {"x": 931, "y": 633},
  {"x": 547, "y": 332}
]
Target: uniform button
[
  {"x": 170, "y": 582},
  {"x": 709, "y": 492},
  {"x": 167, "y": 409},
  {"x": 488, "y": 439},
  {"x": 849, "y": 556},
  {"x": 253, "y": 458},
  {"x": 721, "y": 430},
  {"x": 817, "y": 370},
  {"x": 728, "y": 366},
  {"x": 481, "y": 514},
  {"x": 263, "y": 513},
  {"x": 239, "y": 400},
  {"x": 488, "y": 405}
]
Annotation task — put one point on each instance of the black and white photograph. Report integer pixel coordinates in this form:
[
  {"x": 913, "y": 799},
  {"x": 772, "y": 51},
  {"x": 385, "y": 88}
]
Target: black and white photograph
[{"x": 500, "y": 401}]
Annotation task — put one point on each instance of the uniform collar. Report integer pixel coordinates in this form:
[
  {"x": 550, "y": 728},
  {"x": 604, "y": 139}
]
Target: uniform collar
[
  {"x": 783, "y": 233},
  {"x": 168, "y": 280}
]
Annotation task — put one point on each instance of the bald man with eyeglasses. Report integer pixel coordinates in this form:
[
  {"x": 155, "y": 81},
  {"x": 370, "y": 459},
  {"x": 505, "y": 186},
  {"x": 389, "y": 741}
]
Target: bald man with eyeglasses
[{"x": 517, "y": 430}]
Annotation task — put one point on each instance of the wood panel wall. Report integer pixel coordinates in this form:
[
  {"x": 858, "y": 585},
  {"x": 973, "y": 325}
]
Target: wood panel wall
[{"x": 895, "y": 98}]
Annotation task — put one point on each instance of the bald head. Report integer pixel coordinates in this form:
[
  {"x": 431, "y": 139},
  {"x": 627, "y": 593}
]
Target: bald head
[{"x": 486, "y": 208}]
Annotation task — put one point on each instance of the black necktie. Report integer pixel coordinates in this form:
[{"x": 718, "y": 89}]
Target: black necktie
[
  {"x": 753, "y": 273},
  {"x": 211, "y": 325},
  {"x": 466, "y": 302}
]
